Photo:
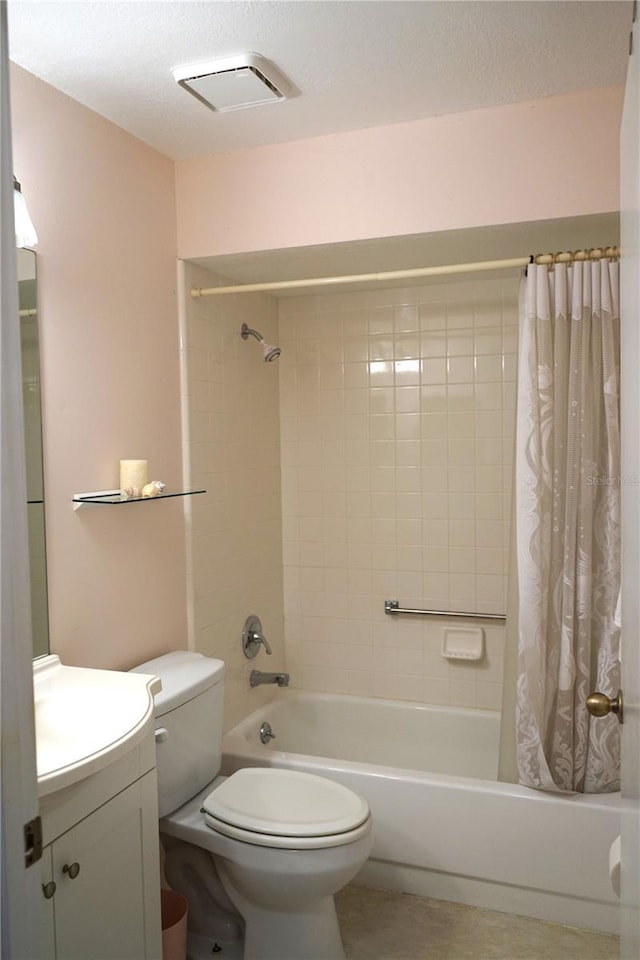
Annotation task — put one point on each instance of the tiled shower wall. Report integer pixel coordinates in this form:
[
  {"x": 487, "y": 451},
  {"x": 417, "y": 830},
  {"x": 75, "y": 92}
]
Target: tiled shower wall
[
  {"x": 232, "y": 449},
  {"x": 396, "y": 421}
]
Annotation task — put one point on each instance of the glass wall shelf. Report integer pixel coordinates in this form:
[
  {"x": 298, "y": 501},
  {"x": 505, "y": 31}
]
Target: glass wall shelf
[{"x": 115, "y": 497}]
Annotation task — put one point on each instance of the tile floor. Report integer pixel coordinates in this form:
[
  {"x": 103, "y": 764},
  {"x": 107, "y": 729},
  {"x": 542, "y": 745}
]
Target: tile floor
[{"x": 379, "y": 925}]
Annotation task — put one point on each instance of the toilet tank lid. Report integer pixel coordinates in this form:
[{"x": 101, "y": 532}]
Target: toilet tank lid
[{"x": 184, "y": 675}]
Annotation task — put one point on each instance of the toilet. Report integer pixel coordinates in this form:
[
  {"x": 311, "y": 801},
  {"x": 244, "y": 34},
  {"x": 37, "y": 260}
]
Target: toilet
[{"x": 260, "y": 854}]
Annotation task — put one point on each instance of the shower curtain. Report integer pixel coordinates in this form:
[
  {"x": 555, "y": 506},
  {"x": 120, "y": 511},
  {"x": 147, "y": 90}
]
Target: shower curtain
[{"x": 568, "y": 525}]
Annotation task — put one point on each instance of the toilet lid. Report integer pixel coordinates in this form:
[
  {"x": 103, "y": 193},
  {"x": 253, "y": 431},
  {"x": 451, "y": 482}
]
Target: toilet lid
[{"x": 286, "y": 803}]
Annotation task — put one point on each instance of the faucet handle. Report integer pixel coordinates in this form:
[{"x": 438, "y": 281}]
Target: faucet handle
[
  {"x": 259, "y": 638},
  {"x": 252, "y": 637}
]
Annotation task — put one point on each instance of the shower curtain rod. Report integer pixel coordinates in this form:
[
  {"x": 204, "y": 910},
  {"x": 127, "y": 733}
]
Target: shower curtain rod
[{"x": 595, "y": 253}]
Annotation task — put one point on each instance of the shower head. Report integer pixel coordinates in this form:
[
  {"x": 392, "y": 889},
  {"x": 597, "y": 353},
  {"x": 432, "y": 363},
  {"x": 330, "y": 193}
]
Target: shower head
[{"x": 269, "y": 351}]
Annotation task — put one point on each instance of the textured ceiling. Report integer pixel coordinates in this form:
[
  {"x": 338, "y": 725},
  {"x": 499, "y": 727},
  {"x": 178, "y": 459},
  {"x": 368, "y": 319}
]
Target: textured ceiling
[{"x": 354, "y": 63}]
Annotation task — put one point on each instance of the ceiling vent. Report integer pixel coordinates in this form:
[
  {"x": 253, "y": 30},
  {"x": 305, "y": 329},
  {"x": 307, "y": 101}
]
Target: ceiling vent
[{"x": 233, "y": 82}]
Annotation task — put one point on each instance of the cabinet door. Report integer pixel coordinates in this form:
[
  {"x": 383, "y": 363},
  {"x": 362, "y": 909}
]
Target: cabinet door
[{"x": 107, "y": 874}]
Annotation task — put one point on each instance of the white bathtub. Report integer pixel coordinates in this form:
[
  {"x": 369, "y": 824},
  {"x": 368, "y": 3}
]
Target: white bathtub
[{"x": 444, "y": 827}]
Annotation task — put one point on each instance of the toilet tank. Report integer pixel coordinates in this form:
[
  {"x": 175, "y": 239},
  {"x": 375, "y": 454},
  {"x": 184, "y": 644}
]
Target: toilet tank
[{"x": 189, "y": 716}]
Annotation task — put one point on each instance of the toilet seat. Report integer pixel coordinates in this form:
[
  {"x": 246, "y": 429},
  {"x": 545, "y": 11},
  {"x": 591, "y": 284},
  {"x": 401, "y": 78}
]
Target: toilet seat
[
  {"x": 285, "y": 809},
  {"x": 286, "y": 843}
]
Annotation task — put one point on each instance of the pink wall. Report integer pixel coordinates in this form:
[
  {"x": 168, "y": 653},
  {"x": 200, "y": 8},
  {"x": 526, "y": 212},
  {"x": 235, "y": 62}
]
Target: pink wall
[
  {"x": 104, "y": 206},
  {"x": 539, "y": 160}
]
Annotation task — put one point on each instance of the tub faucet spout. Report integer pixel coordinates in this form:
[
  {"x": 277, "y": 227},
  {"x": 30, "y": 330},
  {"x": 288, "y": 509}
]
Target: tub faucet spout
[{"x": 257, "y": 677}]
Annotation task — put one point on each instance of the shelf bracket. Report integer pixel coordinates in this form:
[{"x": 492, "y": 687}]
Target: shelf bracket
[{"x": 84, "y": 499}]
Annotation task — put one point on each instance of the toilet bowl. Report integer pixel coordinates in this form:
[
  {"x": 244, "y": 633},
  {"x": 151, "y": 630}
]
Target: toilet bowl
[
  {"x": 277, "y": 844},
  {"x": 281, "y": 884}
]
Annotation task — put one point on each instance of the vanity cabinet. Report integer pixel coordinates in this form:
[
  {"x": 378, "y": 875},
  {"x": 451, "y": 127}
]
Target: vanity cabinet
[
  {"x": 105, "y": 871},
  {"x": 98, "y": 792}
]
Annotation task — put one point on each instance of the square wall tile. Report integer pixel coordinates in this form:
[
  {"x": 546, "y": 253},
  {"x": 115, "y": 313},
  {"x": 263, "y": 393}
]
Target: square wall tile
[{"x": 391, "y": 415}]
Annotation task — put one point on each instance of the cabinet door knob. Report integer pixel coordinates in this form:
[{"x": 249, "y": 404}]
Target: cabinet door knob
[
  {"x": 72, "y": 869},
  {"x": 49, "y": 889}
]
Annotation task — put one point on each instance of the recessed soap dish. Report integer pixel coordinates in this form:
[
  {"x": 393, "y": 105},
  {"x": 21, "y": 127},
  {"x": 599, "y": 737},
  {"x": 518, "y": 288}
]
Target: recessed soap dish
[{"x": 463, "y": 643}]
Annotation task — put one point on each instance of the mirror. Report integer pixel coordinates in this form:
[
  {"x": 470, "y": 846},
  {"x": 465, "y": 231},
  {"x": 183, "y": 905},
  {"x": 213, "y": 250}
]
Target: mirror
[{"x": 31, "y": 394}]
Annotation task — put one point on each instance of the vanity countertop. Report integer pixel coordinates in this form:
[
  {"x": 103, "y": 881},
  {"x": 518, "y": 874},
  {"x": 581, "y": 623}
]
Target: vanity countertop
[{"x": 86, "y": 719}]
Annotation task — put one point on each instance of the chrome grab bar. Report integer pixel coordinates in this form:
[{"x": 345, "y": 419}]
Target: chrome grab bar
[{"x": 392, "y": 606}]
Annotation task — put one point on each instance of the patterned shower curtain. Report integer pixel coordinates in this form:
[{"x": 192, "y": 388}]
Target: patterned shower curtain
[{"x": 568, "y": 525}]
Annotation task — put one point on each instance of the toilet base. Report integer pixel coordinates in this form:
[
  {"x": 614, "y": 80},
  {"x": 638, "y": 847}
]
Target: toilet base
[
  {"x": 212, "y": 918},
  {"x": 311, "y": 934}
]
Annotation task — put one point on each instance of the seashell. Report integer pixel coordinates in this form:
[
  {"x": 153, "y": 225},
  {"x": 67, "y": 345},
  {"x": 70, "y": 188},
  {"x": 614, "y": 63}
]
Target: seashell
[
  {"x": 153, "y": 489},
  {"x": 130, "y": 493}
]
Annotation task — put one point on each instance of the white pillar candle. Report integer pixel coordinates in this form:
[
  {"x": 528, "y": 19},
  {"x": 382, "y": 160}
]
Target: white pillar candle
[{"x": 134, "y": 473}]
